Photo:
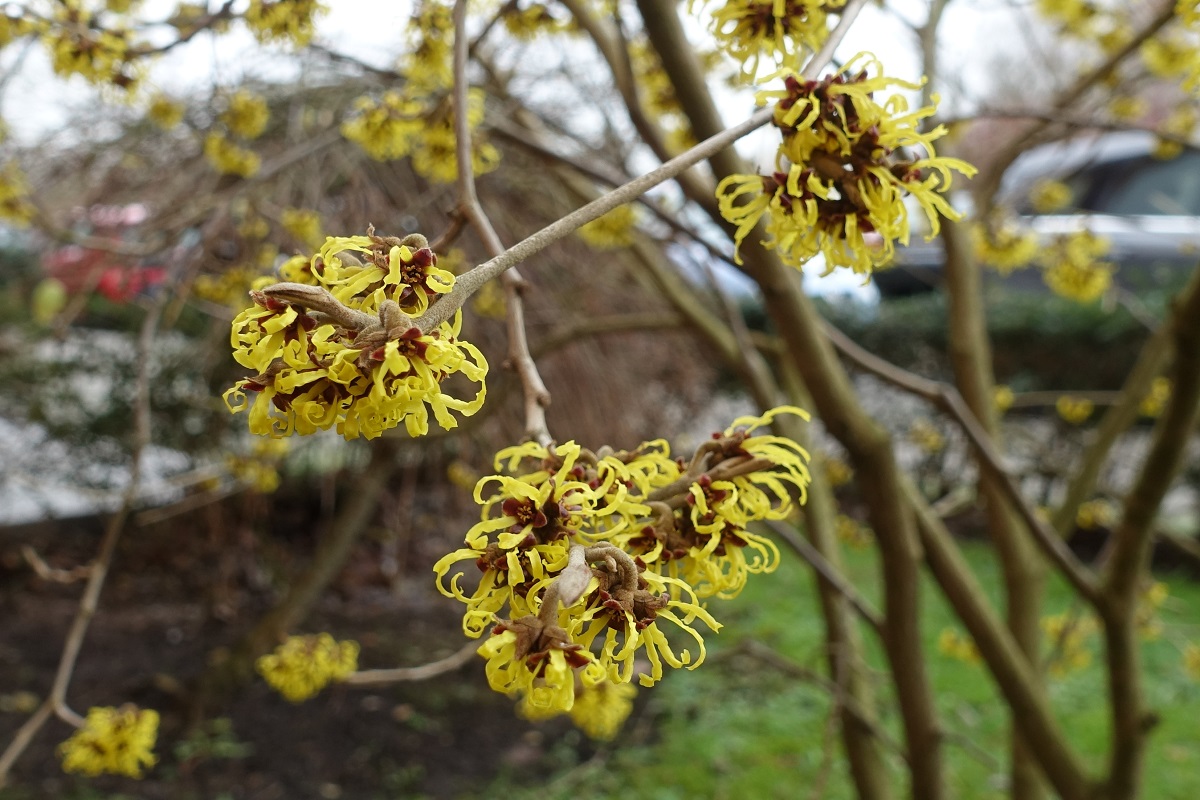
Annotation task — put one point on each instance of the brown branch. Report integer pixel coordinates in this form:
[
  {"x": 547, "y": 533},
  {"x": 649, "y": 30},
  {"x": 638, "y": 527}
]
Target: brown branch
[
  {"x": 1014, "y": 674},
  {"x": 56, "y": 701},
  {"x": 532, "y": 385},
  {"x": 1123, "y": 413},
  {"x": 828, "y": 574},
  {"x": 950, "y": 401},
  {"x": 1129, "y": 549},
  {"x": 382, "y": 677}
]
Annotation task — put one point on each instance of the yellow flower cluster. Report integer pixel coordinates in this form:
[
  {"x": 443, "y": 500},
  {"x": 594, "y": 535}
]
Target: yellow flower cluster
[
  {"x": 852, "y": 533},
  {"x": 601, "y": 710},
  {"x": 1074, "y": 410},
  {"x": 229, "y": 287},
  {"x": 336, "y": 347},
  {"x": 779, "y": 30},
  {"x": 246, "y": 114},
  {"x": 1156, "y": 399},
  {"x": 641, "y": 537},
  {"x": 1067, "y": 635},
  {"x": 1180, "y": 123},
  {"x": 1150, "y": 600},
  {"x": 836, "y": 470},
  {"x": 953, "y": 644},
  {"x": 1004, "y": 246},
  {"x": 289, "y": 21},
  {"x": 1003, "y": 398},
  {"x": 303, "y": 224},
  {"x": 118, "y": 741},
  {"x": 418, "y": 121},
  {"x": 1047, "y": 196},
  {"x": 656, "y": 93},
  {"x": 164, "y": 112},
  {"x": 1072, "y": 269},
  {"x": 1095, "y": 514},
  {"x": 845, "y": 167},
  {"x": 528, "y": 23},
  {"x": 259, "y": 469},
  {"x": 304, "y": 665},
  {"x": 79, "y": 45},
  {"x": 926, "y": 436},
  {"x": 1191, "y": 661},
  {"x": 228, "y": 158},
  {"x": 14, "y": 195},
  {"x": 611, "y": 231}
]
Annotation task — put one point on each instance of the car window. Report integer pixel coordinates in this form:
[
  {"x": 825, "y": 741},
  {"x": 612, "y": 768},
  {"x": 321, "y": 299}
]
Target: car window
[{"x": 1152, "y": 187}]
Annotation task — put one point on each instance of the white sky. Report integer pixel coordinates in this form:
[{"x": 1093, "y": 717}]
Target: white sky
[{"x": 36, "y": 103}]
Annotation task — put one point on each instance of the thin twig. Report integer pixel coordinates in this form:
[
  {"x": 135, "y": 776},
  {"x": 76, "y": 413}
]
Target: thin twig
[
  {"x": 950, "y": 401},
  {"x": 468, "y": 284},
  {"x": 534, "y": 388},
  {"x": 829, "y": 574},
  {"x": 377, "y": 677},
  {"x": 55, "y": 702}
]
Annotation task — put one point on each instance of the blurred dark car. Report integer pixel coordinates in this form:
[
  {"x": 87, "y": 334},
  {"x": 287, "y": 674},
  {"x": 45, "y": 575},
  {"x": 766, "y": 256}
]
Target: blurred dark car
[{"x": 1148, "y": 208}]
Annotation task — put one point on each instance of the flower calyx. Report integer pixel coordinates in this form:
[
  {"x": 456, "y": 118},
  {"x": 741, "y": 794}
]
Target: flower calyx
[{"x": 536, "y": 638}]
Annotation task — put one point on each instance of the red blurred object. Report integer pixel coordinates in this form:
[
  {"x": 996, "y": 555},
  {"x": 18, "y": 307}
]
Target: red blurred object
[{"x": 117, "y": 277}]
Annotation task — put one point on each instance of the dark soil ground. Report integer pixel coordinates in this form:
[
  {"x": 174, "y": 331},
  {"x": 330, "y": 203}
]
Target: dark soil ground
[{"x": 161, "y": 617}]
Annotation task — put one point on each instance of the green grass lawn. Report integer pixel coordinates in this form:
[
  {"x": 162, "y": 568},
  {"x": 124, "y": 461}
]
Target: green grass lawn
[{"x": 741, "y": 726}]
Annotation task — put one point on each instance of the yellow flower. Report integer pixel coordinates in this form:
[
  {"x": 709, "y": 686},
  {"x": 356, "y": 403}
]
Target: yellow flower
[
  {"x": 1074, "y": 410},
  {"x": 289, "y": 21},
  {"x": 953, "y": 644},
  {"x": 101, "y": 55},
  {"x": 526, "y": 23},
  {"x": 246, "y": 114},
  {"x": 1168, "y": 56},
  {"x": 924, "y": 435},
  {"x": 1072, "y": 268},
  {"x": 611, "y": 231},
  {"x": 1179, "y": 123},
  {"x": 1150, "y": 599},
  {"x": 1002, "y": 398},
  {"x": 1095, "y": 513},
  {"x": 229, "y": 159},
  {"x": 853, "y": 533},
  {"x": 1047, "y": 196},
  {"x": 837, "y": 471},
  {"x": 637, "y": 537},
  {"x": 119, "y": 741},
  {"x": 304, "y": 665},
  {"x": 303, "y": 224},
  {"x": 780, "y": 30},
  {"x": 387, "y": 128},
  {"x": 1067, "y": 635},
  {"x": 434, "y": 155},
  {"x": 845, "y": 167},
  {"x": 1127, "y": 108},
  {"x": 601, "y": 710},
  {"x": 1004, "y": 247},
  {"x": 536, "y": 660},
  {"x": 14, "y": 196},
  {"x": 1191, "y": 660},
  {"x": 1156, "y": 400},
  {"x": 428, "y": 66},
  {"x": 371, "y": 370},
  {"x": 164, "y": 112}
]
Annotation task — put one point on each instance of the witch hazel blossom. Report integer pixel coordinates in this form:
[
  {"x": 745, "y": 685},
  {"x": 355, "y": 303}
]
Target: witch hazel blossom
[
  {"x": 845, "y": 166},
  {"x": 336, "y": 347},
  {"x": 604, "y": 560}
]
